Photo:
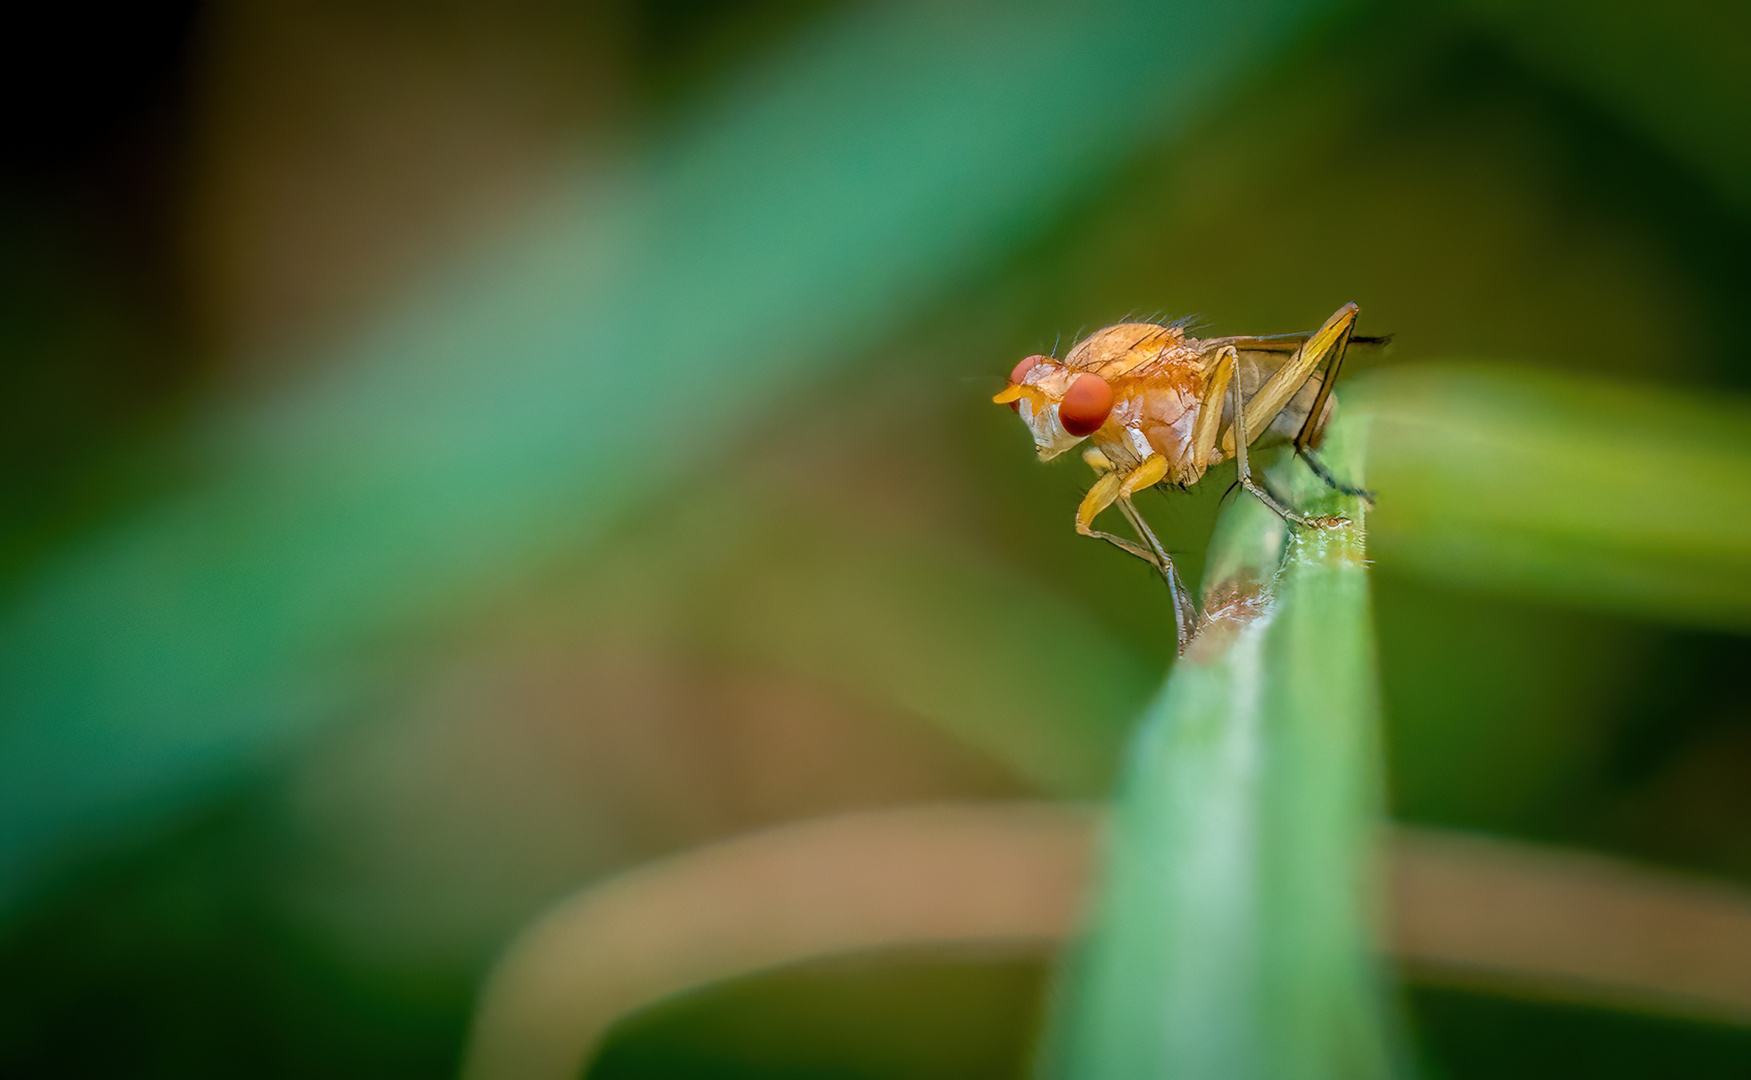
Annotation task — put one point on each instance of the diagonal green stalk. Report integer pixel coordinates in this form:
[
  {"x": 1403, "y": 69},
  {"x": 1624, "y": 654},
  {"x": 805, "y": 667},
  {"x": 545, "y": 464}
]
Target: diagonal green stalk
[{"x": 1230, "y": 934}]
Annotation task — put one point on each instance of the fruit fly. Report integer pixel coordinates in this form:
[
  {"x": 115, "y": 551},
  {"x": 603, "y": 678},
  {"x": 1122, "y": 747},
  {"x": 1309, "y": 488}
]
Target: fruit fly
[{"x": 1160, "y": 407}]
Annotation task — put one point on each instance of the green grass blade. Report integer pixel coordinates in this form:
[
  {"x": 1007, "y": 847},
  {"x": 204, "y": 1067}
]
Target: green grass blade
[{"x": 1230, "y": 937}]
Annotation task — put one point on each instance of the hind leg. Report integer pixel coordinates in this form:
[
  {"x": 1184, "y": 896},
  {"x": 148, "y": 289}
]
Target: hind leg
[{"x": 1307, "y": 440}]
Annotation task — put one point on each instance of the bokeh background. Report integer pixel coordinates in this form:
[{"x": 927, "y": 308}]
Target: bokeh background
[{"x": 455, "y": 452}]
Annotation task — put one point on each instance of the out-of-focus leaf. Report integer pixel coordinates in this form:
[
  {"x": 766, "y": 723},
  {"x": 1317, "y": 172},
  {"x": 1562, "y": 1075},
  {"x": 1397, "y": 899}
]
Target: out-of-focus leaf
[
  {"x": 512, "y": 410},
  {"x": 1628, "y": 498},
  {"x": 1230, "y": 938}
]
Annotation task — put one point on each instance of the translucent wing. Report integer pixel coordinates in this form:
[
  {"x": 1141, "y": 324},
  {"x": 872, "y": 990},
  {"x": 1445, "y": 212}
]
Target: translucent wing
[{"x": 1284, "y": 343}]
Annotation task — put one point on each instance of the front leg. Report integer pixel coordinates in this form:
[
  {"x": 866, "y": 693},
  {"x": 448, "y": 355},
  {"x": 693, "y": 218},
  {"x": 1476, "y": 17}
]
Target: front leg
[
  {"x": 1114, "y": 486},
  {"x": 1099, "y": 497}
]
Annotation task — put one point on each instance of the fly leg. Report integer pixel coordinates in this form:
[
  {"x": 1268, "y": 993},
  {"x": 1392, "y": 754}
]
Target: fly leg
[
  {"x": 1185, "y": 614},
  {"x": 1313, "y": 428},
  {"x": 1246, "y": 479},
  {"x": 1147, "y": 475},
  {"x": 1116, "y": 487},
  {"x": 1321, "y": 470},
  {"x": 1102, "y": 495}
]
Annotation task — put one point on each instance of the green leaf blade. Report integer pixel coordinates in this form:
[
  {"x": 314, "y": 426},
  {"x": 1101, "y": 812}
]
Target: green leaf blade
[{"x": 1231, "y": 934}]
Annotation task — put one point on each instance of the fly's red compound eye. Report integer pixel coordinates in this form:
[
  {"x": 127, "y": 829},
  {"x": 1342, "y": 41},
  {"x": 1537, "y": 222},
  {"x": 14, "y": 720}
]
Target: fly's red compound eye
[
  {"x": 1020, "y": 373},
  {"x": 1085, "y": 405}
]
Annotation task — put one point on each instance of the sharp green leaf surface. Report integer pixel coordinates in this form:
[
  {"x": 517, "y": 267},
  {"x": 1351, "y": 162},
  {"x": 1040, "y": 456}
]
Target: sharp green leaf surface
[{"x": 1230, "y": 937}]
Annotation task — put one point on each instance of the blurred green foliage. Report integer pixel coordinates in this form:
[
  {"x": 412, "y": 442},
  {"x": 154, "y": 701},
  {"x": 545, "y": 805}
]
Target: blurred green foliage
[
  {"x": 475, "y": 435},
  {"x": 672, "y": 510}
]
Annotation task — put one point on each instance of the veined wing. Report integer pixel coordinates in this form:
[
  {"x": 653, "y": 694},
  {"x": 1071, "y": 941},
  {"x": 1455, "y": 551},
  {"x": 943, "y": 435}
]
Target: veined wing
[{"x": 1283, "y": 343}]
